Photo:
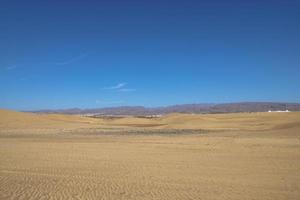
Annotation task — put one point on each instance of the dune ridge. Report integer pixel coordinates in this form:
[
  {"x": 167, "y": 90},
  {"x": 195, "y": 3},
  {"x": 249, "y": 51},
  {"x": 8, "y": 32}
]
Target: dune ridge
[
  {"x": 238, "y": 156},
  {"x": 236, "y": 121}
]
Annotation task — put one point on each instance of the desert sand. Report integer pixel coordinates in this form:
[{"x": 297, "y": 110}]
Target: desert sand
[{"x": 177, "y": 156}]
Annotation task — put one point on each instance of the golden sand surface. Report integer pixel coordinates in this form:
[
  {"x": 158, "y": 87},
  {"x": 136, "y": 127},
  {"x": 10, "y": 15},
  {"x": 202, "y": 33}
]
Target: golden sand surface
[{"x": 178, "y": 156}]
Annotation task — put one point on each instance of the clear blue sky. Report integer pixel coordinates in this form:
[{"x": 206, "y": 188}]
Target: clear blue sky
[{"x": 62, "y": 54}]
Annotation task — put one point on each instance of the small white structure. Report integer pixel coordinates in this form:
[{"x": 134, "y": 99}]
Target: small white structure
[{"x": 278, "y": 111}]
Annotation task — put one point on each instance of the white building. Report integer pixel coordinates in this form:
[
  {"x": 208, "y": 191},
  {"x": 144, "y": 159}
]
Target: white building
[{"x": 278, "y": 111}]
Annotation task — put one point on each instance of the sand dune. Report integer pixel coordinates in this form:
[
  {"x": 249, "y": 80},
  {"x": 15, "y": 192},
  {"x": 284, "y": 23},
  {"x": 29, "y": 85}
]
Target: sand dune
[
  {"x": 236, "y": 121},
  {"x": 19, "y": 120},
  {"x": 254, "y": 156}
]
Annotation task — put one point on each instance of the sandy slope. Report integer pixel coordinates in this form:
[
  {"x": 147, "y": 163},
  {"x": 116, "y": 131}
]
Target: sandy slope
[
  {"x": 11, "y": 120},
  {"x": 255, "y": 156},
  {"x": 237, "y": 121}
]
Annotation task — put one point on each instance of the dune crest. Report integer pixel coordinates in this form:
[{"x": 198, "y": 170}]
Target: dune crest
[{"x": 235, "y": 121}]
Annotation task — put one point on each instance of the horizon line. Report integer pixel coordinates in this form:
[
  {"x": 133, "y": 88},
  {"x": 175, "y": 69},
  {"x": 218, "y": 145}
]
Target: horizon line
[{"x": 160, "y": 106}]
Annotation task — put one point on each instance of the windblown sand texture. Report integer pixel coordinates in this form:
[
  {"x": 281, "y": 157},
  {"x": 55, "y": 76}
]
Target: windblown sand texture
[{"x": 178, "y": 156}]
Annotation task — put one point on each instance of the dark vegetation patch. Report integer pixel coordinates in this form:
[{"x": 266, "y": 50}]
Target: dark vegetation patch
[{"x": 141, "y": 132}]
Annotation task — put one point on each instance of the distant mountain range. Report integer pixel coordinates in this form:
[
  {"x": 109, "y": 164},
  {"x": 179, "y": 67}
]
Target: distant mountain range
[{"x": 183, "y": 108}]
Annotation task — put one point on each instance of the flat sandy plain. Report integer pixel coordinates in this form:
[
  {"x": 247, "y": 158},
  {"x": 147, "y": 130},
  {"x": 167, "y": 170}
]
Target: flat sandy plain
[{"x": 213, "y": 156}]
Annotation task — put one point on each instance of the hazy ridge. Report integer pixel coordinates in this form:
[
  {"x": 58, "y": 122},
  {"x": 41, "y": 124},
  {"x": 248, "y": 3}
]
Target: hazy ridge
[{"x": 182, "y": 108}]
